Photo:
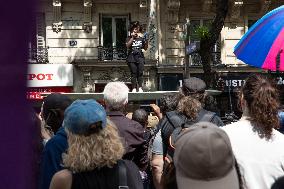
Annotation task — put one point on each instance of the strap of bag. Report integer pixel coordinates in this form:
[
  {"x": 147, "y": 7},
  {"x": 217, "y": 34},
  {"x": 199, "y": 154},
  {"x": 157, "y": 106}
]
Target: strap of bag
[
  {"x": 206, "y": 116},
  {"x": 174, "y": 120},
  {"x": 122, "y": 176}
]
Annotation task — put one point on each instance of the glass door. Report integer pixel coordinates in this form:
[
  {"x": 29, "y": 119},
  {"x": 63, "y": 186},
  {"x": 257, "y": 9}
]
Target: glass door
[{"x": 114, "y": 33}]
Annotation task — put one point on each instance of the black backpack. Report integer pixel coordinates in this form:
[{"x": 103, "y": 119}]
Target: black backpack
[{"x": 175, "y": 123}]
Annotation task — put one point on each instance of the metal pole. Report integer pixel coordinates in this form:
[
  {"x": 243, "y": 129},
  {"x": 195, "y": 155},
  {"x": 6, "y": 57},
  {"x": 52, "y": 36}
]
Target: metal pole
[{"x": 186, "y": 43}]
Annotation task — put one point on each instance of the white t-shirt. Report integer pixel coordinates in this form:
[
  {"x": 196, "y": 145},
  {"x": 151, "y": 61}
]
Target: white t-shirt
[{"x": 261, "y": 161}]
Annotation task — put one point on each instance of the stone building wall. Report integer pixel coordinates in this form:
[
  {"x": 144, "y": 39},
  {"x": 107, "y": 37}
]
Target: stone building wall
[{"x": 71, "y": 43}]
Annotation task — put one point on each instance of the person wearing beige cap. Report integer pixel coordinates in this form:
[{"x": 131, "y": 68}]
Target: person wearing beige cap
[{"x": 204, "y": 159}]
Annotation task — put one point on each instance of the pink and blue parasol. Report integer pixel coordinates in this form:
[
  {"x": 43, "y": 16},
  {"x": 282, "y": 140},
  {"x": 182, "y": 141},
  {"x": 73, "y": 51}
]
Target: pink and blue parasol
[{"x": 263, "y": 45}]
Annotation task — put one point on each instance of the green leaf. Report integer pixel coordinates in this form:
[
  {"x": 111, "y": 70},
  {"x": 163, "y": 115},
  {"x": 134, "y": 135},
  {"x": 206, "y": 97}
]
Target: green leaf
[{"x": 202, "y": 32}]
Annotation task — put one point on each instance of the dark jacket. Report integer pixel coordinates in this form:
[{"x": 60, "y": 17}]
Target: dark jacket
[
  {"x": 107, "y": 178},
  {"x": 174, "y": 120},
  {"x": 52, "y": 157},
  {"x": 133, "y": 134}
]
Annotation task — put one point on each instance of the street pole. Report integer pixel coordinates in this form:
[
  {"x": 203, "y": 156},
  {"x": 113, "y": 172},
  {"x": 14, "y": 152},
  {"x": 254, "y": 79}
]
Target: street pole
[{"x": 186, "y": 43}]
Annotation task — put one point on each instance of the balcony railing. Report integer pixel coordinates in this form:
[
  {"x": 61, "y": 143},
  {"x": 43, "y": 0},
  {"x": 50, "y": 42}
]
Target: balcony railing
[
  {"x": 112, "y": 53},
  {"x": 196, "y": 59},
  {"x": 38, "y": 55}
]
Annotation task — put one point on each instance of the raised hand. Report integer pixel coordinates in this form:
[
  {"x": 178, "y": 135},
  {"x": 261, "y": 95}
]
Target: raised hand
[{"x": 134, "y": 34}]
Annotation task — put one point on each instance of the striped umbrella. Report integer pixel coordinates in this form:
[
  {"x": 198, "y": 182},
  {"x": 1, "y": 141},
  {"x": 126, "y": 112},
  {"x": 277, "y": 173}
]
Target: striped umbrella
[{"x": 263, "y": 45}]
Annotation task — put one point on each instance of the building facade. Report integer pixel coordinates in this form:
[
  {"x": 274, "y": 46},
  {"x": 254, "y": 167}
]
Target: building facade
[{"x": 90, "y": 35}]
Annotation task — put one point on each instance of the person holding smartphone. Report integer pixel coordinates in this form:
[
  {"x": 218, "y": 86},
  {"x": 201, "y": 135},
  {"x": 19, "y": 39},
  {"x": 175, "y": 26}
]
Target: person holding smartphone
[{"x": 135, "y": 59}]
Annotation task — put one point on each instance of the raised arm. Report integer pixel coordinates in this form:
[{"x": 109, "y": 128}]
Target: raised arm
[
  {"x": 130, "y": 39},
  {"x": 129, "y": 42}
]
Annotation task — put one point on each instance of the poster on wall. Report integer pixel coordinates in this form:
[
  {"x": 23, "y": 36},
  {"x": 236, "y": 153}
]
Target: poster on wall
[
  {"x": 49, "y": 75},
  {"x": 49, "y": 78}
]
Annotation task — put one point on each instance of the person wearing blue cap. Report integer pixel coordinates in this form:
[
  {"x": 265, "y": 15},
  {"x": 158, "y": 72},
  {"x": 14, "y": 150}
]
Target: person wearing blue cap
[{"x": 95, "y": 150}]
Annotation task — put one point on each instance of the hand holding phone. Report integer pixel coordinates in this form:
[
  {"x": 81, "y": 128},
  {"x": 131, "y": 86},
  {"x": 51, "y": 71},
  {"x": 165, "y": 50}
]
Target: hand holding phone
[
  {"x": 157, "y": 110},
  {"x": 147, "y": 108}
]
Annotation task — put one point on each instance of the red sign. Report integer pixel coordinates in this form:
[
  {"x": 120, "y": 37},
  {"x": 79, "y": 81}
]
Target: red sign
[
  {"x": 40, "y": 76},
  {"x": 34, "y": 93}
]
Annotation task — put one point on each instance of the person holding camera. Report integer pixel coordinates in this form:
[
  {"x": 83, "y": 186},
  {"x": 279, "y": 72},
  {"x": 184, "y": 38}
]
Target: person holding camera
[
  {"x": 135, "y": 59},
  {"x": 53, "y": 109}
]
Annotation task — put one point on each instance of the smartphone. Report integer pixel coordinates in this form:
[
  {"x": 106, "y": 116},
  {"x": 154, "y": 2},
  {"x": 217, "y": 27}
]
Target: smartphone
[{"x": 147, "y": 108}]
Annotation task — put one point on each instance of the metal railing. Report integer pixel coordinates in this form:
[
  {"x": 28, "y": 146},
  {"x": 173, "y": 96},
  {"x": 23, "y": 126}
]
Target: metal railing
[
  {"x": 38, "y": 55},
  {"x": 112, "y": 53},
  {"x": 215, "y": 57}
]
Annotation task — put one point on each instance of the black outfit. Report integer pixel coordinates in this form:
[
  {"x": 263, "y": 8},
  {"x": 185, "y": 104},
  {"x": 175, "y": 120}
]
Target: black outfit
[
  {"x": 107, "y": 178},
  {"x": 133, "y": 134},
  {"x": 136, "y": 61},
  {"x": 173, "y": 122}
]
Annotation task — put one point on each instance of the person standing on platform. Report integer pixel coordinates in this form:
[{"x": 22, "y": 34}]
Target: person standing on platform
[{"x": 135, "y": 59}]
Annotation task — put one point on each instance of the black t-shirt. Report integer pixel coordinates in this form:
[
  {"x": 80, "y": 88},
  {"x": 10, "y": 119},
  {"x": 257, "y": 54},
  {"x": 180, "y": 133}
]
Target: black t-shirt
[
  {"x": 107, "y": 178},
  {"x": 136, "y": 49}
]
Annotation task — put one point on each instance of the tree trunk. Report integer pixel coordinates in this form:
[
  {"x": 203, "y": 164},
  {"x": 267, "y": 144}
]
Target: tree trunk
[
  {"x": 207, "y": 44},
  {"x": 205, "y": 53}
]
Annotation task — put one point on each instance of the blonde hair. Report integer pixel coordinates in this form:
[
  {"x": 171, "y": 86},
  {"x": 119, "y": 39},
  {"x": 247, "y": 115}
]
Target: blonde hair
[{"x": 100, "y": 149}]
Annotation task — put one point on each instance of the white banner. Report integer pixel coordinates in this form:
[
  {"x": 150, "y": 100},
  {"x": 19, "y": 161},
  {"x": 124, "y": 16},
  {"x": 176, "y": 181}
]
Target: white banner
[{"x": 50, "y": 75}]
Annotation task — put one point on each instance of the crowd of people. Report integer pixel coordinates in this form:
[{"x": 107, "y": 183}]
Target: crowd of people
[{"x": 86, "y": 145}]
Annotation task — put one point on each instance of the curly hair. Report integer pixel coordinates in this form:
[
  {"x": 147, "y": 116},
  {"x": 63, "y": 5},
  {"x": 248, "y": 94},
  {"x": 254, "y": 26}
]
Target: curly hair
[
  {"x": 169, "y": 102},
  {"x": 135, "y": 24},
  {"x": 262, "y": 100},
  {"x": 201, "y": 96},
  {"x": 189, "y": 106},
  {"x": 97, "y": 150}
]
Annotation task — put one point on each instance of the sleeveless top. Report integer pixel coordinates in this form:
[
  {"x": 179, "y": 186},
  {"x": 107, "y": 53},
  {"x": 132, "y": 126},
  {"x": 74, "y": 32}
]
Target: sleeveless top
[{"x": 107, "y": 178}]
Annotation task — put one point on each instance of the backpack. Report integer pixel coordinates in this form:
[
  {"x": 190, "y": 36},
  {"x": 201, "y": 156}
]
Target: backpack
[
  {"x": 175, "y": 124},
  {"x": 122, "y": 175}
]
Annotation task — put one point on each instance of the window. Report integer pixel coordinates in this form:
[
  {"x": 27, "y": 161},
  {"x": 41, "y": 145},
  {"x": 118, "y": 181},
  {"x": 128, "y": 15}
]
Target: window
[
  {"x": 113, "y": 36},
  {"x": 216, "y": 53},
  {"x": 251, "y": 22},
  {"x": 37, "y": 46},
  {"x": 194, "y": 24}
]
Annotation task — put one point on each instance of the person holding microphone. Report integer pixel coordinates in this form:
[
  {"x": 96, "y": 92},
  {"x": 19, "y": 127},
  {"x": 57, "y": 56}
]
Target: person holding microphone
[{"x": 135, "y": 59}]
